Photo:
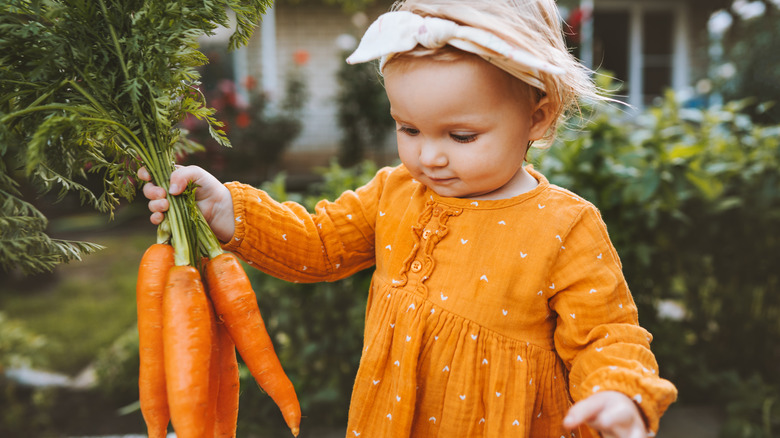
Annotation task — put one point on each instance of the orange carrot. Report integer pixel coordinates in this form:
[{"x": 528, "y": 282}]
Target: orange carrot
[
  {"x": 214, "y": 374},
  {"x": 188, "y": 333},
  {"x": 152, "y": 275},
  {"x": 227, "y": 399},
  {"x": 236, "y": 304}
]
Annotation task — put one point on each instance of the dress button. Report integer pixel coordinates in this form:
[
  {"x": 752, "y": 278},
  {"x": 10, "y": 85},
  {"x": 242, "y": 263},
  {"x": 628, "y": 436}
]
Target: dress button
[
  {"x": 426, "y": 234},
  {"x": 416, "y": 266},
  {"x": 437, "y": 211}
]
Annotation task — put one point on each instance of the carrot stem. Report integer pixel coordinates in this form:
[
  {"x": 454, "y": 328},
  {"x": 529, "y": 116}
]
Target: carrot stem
[
  {"x": 208, "y": 241},
  {"x": 164, "y": 231}
]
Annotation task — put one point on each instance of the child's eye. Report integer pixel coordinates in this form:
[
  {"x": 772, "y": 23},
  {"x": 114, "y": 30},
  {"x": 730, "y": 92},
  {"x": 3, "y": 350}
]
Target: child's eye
[
  {"x": 464, "y": 138},
  {"x": 408, "y": 130}
]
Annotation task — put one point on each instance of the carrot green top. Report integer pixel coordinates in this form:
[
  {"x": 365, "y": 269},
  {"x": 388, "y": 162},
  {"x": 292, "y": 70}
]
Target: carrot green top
[{"x": 484, "y": 318}]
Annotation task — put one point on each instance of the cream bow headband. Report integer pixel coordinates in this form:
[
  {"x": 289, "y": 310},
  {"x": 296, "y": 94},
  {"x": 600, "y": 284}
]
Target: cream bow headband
[{"x": 402, "y": 31}]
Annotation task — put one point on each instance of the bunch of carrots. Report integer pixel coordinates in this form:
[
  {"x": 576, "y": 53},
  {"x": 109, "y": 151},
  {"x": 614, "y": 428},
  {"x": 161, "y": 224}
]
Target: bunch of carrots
[
  {"x": 100, "y": 87},
  {"x": 189, "y": 330}
]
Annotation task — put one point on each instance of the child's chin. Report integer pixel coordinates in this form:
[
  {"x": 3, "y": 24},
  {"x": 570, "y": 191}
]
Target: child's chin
[{"x": 445, "y": 192}]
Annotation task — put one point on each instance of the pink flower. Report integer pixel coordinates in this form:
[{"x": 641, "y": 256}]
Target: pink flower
[{"x": 226, "y": 86}]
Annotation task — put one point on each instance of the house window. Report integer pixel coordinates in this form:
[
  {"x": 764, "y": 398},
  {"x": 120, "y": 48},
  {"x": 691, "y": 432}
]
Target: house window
[
  {"x": 643, "y": 44},
  {"x": 610, "y": 43},
  {"x": 657, "y": 33}
]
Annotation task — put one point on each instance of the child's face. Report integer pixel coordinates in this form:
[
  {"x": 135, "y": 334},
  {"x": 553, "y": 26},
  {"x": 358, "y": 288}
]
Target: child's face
[{"x": 461, "y": 129}]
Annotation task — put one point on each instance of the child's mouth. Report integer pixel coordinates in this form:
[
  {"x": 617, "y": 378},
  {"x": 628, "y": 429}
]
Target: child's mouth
[{"x": 441, "y": 180}]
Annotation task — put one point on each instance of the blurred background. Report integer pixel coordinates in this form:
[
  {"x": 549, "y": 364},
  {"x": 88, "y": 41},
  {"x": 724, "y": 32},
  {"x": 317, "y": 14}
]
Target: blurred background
[{"x": 686, "y": 179}]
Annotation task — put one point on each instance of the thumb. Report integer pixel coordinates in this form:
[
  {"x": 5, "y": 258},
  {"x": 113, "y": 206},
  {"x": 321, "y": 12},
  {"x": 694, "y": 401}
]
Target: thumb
[{"x": 182, "y": 176}]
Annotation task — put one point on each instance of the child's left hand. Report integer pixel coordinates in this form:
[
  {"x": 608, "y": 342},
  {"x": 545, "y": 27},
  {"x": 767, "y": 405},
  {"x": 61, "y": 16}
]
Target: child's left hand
[{"x": 611, "y": 413}]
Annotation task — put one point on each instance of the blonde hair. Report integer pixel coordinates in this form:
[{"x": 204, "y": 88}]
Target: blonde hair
[{"x": 534, "y": 26}]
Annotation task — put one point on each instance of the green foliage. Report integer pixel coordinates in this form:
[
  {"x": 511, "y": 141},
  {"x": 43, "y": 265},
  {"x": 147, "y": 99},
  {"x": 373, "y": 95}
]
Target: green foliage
[
  {"x": 750, "y": 46},
  {"x": 83, "y": 308},
  {"x": 692, "y": 202},
  {"x": 18, "y": 345},
  {"x": 24, "y": 243},
  {"x": 74, "y": 73},
  {"x": 98, "y": 87},
  {"x": 363, "y": 111},
  {"x": 26, "y": 412},
  {"x": 116, "y": 368},
  {"x": 753, "y": 409},
  {"x": 82, "y": 314},
  {"x": 336, "y": 180}
]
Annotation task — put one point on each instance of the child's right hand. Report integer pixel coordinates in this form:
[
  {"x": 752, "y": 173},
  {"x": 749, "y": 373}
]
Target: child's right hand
[
  {"x": 611, "y": 413},
  {"x": 213, "y": 198}
]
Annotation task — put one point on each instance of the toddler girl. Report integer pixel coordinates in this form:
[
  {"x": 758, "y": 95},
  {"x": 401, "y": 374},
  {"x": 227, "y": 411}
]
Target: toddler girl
[{"x": 498, "y": 307}]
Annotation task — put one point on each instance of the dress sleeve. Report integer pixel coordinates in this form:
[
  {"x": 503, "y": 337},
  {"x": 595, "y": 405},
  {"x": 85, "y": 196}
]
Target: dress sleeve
[
  {"x": 288, "y": 242},
  {"x": 598, "y": 334}
]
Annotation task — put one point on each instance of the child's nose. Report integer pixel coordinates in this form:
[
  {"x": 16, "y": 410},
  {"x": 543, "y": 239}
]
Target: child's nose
[{"x": 433, "y": 155}]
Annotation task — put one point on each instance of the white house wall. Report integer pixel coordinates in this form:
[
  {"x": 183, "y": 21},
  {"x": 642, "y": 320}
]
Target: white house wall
[{"x": 313, "y": 29}]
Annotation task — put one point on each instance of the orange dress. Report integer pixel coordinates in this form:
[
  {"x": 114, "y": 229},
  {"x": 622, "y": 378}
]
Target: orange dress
[{"x": 484, "y": 318}]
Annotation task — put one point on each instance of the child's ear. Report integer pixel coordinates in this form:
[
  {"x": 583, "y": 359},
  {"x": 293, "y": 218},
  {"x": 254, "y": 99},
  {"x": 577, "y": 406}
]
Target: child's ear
[{"x": 541, "y": 119}]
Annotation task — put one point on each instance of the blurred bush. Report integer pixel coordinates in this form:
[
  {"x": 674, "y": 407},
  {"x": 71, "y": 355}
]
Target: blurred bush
[
  {"x": 691, "y": 198},
  {"x": 751, "y": 61},
  {"x": 363, "y": 111},
  {"x": 318, "y": 328},
  {"x": 20, "y": 347},
  {"x": 116, "y": 368}
]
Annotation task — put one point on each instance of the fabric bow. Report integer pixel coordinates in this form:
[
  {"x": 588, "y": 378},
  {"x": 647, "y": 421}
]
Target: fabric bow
[{"x": 401, "y": 31}]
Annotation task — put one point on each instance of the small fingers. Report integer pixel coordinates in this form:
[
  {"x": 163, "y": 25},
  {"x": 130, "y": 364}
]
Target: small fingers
[
  {"x": 582, "y": 413},
  {"x": 618, "y": 414},
  {"x": 158, "y": 205},
  {"x": 622, "y": 420},
  {"x": 156, "y": 218},
  {"x": 180, "y": 177},
  {"x": 613, "y": 414},
  {"x": 153, "y": 192},
  {"x": 144, "y": 175}
]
